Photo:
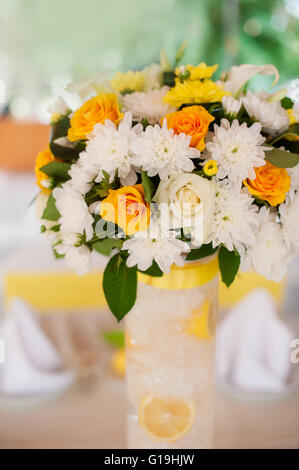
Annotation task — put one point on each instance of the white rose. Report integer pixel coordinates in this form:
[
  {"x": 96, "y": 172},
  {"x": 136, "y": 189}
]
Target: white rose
[{"x": 189, "y": 199}]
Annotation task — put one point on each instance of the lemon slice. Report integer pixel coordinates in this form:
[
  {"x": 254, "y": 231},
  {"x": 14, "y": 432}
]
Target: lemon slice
[
  {"x": 198, "y": 323},
  {"x": 166, "y": 419}
]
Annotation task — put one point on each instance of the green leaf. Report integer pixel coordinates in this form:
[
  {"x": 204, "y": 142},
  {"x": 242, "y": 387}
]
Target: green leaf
[
  {"x": 291, "y": 134},
  {"x": 202, "y": 252},
  {"x": 181, "y": 51},
  {"x": 165, "y": 62},
  {"x": 282, "y": 158},
  {"x": 292, "y": 146},
  {"x": 106, "y": 246},
  {"x": 56, "y": 254},
  {"x": 60, "y": 128},
  {"x": 58, "y": 170},
  {"x": 287, "y": 103},
  {"x": 148, "y": 186},
  {"x": 120, "y": 286},
  {"x": 65, "y": 152},
  {"x": 153, "y": 271},
  {"x": 51, "y": 212},
  {"x": 169, "y": 78},
  {"x": 229, "y": 263},
  {"x": 115, "y": 338}
]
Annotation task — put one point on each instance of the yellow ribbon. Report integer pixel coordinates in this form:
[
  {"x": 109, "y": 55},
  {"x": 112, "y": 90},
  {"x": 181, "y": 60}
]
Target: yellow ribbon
[{"x": 193, "y": 274}]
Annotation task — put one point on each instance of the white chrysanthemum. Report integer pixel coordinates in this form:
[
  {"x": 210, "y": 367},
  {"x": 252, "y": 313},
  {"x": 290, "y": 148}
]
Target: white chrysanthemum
[
  {"x": 110, "y": 148},
  {"x": 271, "y": 115},
  {"x": 237, "y": 150},
  {"x": 154, "y": 245},
  {"x": 148, "y": 105},
  {"x": 77, "y": 257},
  {"x": 153, "y": 77},
  {"x": 235, "y": 218},
  {"x": 164, "y": 153},
  {"x": 268, "y": 255},
  {"x": 231, "y": 106},
  {"x": 289, "y": 214},
  {"x": 82, "y": 174},
  {"x": 73, "y": 209}
]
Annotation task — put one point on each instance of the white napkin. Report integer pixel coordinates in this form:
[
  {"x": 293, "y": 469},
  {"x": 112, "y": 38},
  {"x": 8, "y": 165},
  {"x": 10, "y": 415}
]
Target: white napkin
[
  {"x": 253, "y": 346},
  {"x": 32, "y": 364}
]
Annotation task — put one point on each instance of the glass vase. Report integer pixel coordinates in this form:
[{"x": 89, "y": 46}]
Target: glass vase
[{"x": 170, "y": 352}]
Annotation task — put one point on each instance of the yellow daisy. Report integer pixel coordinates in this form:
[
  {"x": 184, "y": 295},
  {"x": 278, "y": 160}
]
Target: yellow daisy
[
  {"x": 194, "y": 91},
  {"x": 210, "y": 168},
  {"x": 198, "y": 72},
  {"x": 129, "y": 81}
]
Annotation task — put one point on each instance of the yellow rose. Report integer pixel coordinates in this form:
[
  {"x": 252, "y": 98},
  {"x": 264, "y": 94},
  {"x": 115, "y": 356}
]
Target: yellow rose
[
  {"x": 93, "y": 111},
  {"x": 43, "y": 158},
  {"x": 127, "y": 208},
  {"x": 194, "y": 91},
  {"x": 271, "y": 184},
  {"x": 193, "y": 121},
  {"x": 129, "y": 81}
]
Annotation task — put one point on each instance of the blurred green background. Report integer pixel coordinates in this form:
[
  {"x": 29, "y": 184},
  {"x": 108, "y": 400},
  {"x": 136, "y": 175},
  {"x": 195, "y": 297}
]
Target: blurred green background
[{"x": 45, "y": 44}]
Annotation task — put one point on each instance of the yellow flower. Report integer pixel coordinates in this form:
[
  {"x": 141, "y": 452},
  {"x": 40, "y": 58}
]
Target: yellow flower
[
  {"x": 129, "y": 81},
  {"x": 194, "y": 91},
  {"x": 291, "y": 114},
  {"x": 198, "y": 72},
  {"x": 270, "y": 184},
  {"x": 210, "y": 168},
  {"x": 43, "y": 158},
  {"x": 127, "y": 208},
  {"x": 93, "y": 111}
]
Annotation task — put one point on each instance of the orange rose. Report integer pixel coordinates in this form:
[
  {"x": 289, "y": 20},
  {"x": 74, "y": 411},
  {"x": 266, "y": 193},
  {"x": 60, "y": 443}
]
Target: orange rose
[
  {"x": 93, "y": 111},
  {"x": 44, "y": 157},
  {"x": 271, "y": 184},
  {"x": 127, "y": 208},
  {"x": 191, "y": 120}
]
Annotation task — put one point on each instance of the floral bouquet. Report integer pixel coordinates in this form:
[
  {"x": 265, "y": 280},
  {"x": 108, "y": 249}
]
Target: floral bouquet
[{"x": 166, "y": 165}]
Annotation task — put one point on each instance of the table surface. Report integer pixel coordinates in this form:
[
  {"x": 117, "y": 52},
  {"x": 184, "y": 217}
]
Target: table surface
[{"x": 93, "y": 416}]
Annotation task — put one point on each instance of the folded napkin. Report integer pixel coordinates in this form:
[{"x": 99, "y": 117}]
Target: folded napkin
[
  {"x": 254, "y": 345},
  {"x": 32, "y": 364}
]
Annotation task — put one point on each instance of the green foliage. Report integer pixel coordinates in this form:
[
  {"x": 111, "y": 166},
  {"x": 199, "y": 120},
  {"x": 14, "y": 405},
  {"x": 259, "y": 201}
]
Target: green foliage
[
  {"x": 282, "y": 158},
  {"x": 51, "y": 212},
  {"x": 106, "y": 245},
  {"x": 202, "y": 252},
  {"x": 229, "y": 263},
  {"x": 58, "y": 170},
  {"x": 64, "y": 151},
  {"x": 169, "y": 78},
  {"x": 148, "y": 186},
  {"x": 153, "y": 271},
  {"x": 287, "y": 103},
  {"x": 120, "y": 286},
  {"x": 181, "y": 51}
]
